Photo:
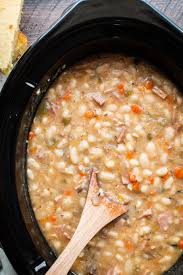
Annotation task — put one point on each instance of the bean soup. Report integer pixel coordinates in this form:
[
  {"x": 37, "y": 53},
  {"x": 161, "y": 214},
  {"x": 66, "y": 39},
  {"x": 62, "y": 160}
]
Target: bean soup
[{"x": 123, "y": 117}]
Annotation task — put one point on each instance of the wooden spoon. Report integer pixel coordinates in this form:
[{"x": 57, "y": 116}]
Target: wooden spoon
[{"x": 98, "y": 211}]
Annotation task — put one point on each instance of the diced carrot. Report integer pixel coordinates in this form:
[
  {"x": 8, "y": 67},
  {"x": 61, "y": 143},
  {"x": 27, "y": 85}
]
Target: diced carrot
[
  {"x": 129, "y": 245},
  {"x": 53, "y": 218},
  {"x": 58, "y": 100},
  {"x": 180, "y": 208},
  {"x": 68, "y": 192},
  {"x": 136, "y": 186},
  {"x": 31, "y": 135},
  {"x": 165, "y": 177},
  {"x": 151, "y": 180},
  {"x": 181, "y": 244},
  {"x": 33, "y": 150},
  {"x": 97, "y": 117},
  {"x": 129, "y": 154},
  {"x": 43, "y": 220},
  {"x": 121, "y": 88},
  {"x": 178, "y": 172},
  {"x": 136, "y": 109},
  {"x": 170, "y": 99},
  {"x": 149, "y": 204},
  {"x": 67, "y": 96},
  {"x": 152, "y": 192},
  {"x": 89, "y": 114},
  {"x": 82, "y": 174},
  {"x": 149, "y": 84},
  {"x": 132, "y": 178}
]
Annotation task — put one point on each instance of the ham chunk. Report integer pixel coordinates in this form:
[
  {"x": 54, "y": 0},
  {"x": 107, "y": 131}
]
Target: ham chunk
[
  {"x": 114, "y": 271},
  {"x": 99, "y": 99},
  {"x": 124, "y": 181},
  {"x": 122, "y": 135},
  {"x": 164, "y": 220},
  {"x": 146, "y": 213},
  {"x": 156, "y": 90}
]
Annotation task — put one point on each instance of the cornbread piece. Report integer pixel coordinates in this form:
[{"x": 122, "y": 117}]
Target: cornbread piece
[
  {"x": 21, "y": 46},
  {"x": 10, "y": 14}
]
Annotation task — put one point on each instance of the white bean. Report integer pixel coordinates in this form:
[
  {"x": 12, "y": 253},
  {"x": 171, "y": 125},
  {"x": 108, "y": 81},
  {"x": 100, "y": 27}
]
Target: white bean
[
  {"x": 127, "y": 120},
  {"x": 121, "y": 148},
  {"x": 69, "y": 170},
  {"x": 38, "y": 130},
  {"x": 30, "y": 174},
  {"x": 151, "y": 149},
  {"x": 168, "y": 183},
  {"x": 165, "y": 259},
  {"x": 46, "y": 193},
  {"x": 74, "y": 155},
  {"x": 97, "y": 125},
  {"x": 61, "y": 165},
  {"x": 97, "y": 152},
  {"x": 134, "y": 162},
  {"x": 33, "y": 163},
  {"x": 105, "y": 134},
  {"x": 83, "y": 145},
  {"x": 59, "y": 152},
  {"x": 139, "y": 203},
  {"x": 147, "y": 172},
  {"x": 128, "y": 267},
  {"x": 109, "y": 163},
  {"x": 45, "y": 120},
  {"x": 158, "y": 238},
  {"x": 166, "y": 201},
  {"x": 169, "y": 133},
  {"x": 113, "y": 234},
  {"x": 139, "y": 130},
  {"x": 130, "y": 146},
  {"x": 144, "y": 188},
  {"x": 82, "y": 202},
  {"x": 125, "y": 109},
  {"x": 162, "y": 171},
  {"x": 112, "y": 107},
  {"x": 144, "y": 160},
  {"x": 149, "y": 98},
  {"x": 48, "y": 226},
  {"x": 107, "y": 253},
  {"x": 106, "y": 124},
  {"x": 134, "y": 98},
  {"x": 100, "y": 244},
  {"x": 119, "y": 243},
  {"x": 51, "y": 131},
  {"x": 91, "y": 138},
  {"x": 145, "y": 230},
  {"x": 33, "y": 187},
  {"x": 66, "y": 113},
  {"x": 56, "y": 244},
  {"x": 119, "y": 257},
  {"x": 86, "y": 160},
  {"x": 164, "y": 158},
  {"x": 67, "y": 215},
  {"x": 107, "y": 176},
  {"x": 67, "y": 201}
]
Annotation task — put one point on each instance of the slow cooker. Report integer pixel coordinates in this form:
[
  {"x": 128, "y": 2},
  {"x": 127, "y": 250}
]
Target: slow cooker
[{"x": 86, "y": 27}]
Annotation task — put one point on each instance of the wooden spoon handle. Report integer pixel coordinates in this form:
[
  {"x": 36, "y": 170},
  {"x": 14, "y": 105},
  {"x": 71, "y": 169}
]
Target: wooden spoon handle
[{"x": 94, "y": 217}]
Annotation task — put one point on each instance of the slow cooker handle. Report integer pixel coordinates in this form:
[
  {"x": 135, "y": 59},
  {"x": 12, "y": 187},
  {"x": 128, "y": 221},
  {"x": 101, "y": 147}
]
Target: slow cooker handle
[{"x": 87, "y": 10}]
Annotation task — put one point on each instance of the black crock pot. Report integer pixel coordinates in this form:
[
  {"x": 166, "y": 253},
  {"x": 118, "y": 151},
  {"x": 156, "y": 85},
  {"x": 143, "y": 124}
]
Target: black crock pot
[{"x": 130, "y": 26}]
